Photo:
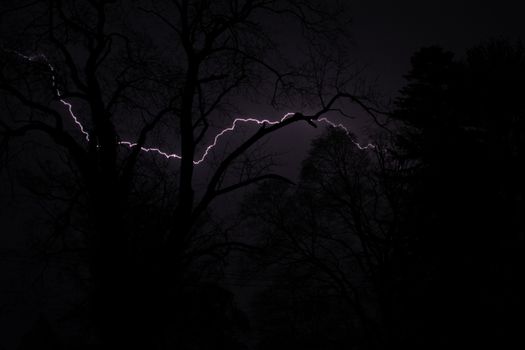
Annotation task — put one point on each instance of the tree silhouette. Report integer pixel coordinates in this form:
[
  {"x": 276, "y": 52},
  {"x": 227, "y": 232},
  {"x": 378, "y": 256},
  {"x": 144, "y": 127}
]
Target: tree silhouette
[
  {"x": 41, "y": 336},
  {"x": 335, "y": 240},
  {"x": 422, "y": 239},
  {"x": 462, "y": 124},
  {"x": 140, "y": 70}
]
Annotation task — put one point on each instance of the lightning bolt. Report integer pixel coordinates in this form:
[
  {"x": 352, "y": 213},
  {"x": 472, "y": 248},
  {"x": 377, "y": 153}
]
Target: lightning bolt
[
  {"x": 69, "y": 106},
  {"x": 232, "y": 127},
  {"x": 208, "y": 149}
]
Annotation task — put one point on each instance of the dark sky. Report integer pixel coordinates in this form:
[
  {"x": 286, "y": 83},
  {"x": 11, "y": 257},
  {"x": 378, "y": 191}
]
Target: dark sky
[{"x": 388, "y": 32}]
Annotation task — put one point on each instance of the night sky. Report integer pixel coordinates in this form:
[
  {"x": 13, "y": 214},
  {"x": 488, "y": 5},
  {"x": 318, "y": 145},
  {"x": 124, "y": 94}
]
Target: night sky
[{"x": 385, "y": 35}]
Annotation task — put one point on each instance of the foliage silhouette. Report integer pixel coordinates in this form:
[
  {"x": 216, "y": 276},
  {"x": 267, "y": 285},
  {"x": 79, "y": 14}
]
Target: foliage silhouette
[
  {"x": 463, "y": 126},
  {"x": 423, "y": 239},
  {"x": 333, "y": 240}
]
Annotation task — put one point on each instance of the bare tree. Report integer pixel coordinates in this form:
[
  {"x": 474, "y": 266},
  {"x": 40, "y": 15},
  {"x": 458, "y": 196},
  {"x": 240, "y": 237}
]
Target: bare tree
[
  {"x": 339, "y": 230},
  {"x": 85, "y": 77}
]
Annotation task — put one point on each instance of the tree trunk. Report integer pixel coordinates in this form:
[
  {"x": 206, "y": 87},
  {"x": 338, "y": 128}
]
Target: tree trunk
[{"x": 123, "y": 294}]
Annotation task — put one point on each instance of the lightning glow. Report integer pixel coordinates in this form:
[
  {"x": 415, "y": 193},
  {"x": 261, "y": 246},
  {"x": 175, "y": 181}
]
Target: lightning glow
[
  {"x": 58, "y": 93},
  {"x": 208, "y": 149},
  {"x": 344, "y": 128},
  {"x": 232, "y": 128}
]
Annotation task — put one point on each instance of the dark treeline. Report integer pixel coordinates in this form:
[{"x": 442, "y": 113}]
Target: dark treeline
[{"x": 416, "y": 243}]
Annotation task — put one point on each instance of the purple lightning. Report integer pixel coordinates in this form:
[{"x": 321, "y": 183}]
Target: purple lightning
[
  {"x": 68, "y": 105},
  {"x": 232, "y": 128},
  {"x": 208, "y": 149}
]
